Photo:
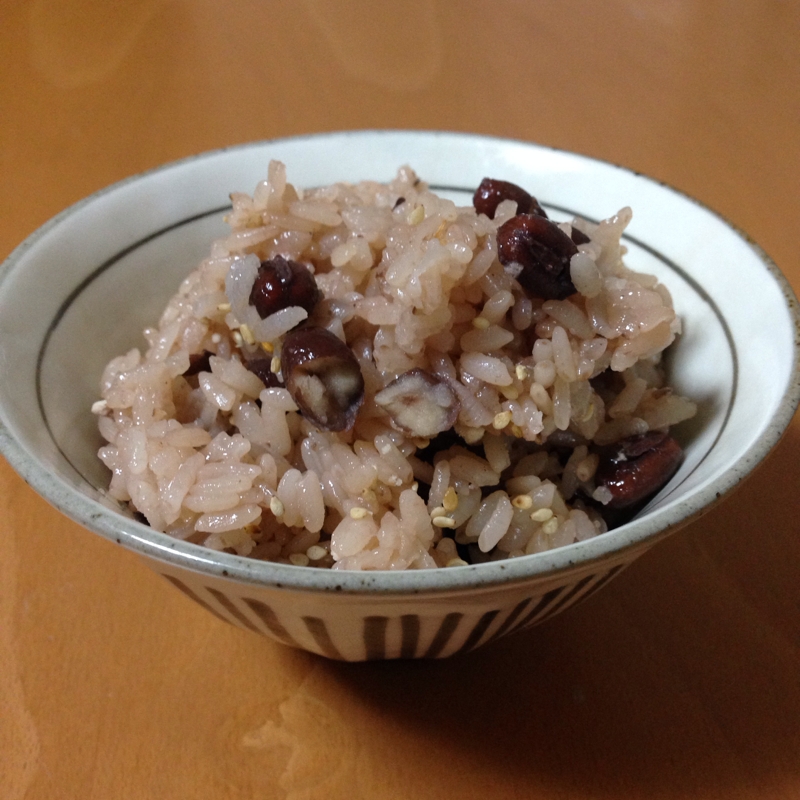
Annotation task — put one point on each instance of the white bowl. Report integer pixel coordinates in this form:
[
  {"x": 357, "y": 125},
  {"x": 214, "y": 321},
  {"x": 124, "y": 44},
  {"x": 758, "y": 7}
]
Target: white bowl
[{"x": 81, "y": 289}]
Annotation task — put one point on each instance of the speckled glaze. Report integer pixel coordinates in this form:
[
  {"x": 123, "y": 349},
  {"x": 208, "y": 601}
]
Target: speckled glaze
[{"x": 111, "y": 261}]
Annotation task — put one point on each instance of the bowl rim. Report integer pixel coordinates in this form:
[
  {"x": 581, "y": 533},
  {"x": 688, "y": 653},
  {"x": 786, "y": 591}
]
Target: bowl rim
[{"x": 637, "y": 535}]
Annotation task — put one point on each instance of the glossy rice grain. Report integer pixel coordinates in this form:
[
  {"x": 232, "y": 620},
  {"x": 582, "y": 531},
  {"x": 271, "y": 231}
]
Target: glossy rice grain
[{"x": 369, "y": 376}]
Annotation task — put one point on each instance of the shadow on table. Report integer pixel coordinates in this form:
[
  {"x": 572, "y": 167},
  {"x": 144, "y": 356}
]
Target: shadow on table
[{"x": 682, "y": 675}]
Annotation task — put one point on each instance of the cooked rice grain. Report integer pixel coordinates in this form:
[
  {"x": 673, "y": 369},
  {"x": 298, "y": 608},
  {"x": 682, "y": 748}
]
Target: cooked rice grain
[{"x": 410, "y": 281}]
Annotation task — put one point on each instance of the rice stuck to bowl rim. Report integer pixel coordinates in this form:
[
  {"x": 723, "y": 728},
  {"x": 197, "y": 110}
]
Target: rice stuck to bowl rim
[{"x": 368, "y": 376}]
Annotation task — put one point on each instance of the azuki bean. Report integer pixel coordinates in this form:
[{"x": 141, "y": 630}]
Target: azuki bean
[
  {"x": 579, "y": 237},
  {"x": 419, "y": 403},
  {"x": 638, "y": 468},
  {"x": 492, "y": 192},
  {"x": 542, "y": 250},
  {"x": 199, "y": 362},
  {"x": 282, "y": 283},
  {"x": 262, "y": 368},
  {"x": 323, "y": 377}
]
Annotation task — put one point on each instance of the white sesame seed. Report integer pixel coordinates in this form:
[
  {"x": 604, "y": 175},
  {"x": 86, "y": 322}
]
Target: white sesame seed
[
  {"x": 444, "y": 522},
  {"x": 276, "y": 506},
  {"x": 224, "y": 307},
  {"x": 551, "y": 526},
  {"x": 416, "y": 216},
  {"x": 268, "y": 347},
  {"x": 521, "y": 371},
  {"x": 247, "y": 334},
  {"x": 359, "y": 512},
  {"x": 237, "y": 339},
  {"x": 439, "y": 511},
  {"x": 316, "y": 553},
  {"x": 522, "y": 501},
  {"x": 456, "y": 562},
  {"x": 99, "y": 407},
  {"x": 450, "y": 500},
  {"x": 542, "y": 515},
  {"x": 471, "y": 435},
  {"x": 501, "y": 420},
  {"x": 481, "y": 323},
  {"x": 275, "y": 365},
  {"x": 299, "y": 559}
]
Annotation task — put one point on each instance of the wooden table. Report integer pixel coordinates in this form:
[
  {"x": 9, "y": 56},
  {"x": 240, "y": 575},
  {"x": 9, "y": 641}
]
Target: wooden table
[{"x": 680, "y": 680}]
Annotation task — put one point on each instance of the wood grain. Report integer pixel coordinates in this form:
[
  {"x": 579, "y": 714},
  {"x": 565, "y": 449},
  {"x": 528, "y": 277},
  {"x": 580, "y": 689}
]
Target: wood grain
[{"x": 681, "y": 679}]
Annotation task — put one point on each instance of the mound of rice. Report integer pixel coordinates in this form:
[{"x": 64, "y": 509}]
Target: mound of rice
[{"x": 206, "y": 451}]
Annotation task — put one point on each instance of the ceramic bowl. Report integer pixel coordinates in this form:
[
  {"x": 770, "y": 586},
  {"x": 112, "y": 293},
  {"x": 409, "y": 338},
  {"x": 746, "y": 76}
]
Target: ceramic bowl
[{"x": 81, "y": 289}]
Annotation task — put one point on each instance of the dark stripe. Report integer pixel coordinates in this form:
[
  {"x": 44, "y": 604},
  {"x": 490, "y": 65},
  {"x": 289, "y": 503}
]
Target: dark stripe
[
  {"x": 544, "y": 601},
  {"x": 509, "y": 620},
  {"x": 483, "y": 623},
  {"x": 228, "y": 605},
  {"x": 270, "y": 620},
  {"x": 409, "y": 625},
  {"x": 375, "y": 637},
  {"x": 579, "y": 586},
  {"x": 443, "y": 634},
  {"x": 603, "y": 581},
  {"x": 316, "y": 627},
  {"x": 178, "y": 584}
]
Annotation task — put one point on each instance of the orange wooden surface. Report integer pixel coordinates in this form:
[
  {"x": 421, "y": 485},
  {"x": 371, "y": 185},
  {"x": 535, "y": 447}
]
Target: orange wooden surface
[{"x": 680, "y": 680}]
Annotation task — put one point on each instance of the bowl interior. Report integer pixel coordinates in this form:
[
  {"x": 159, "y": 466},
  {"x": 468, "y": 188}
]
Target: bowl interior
[{"x": 81, "y": 290}]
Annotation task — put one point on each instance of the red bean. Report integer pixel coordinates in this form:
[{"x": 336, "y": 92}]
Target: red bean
[
  {"x": 323, "y": 377},
  {"x": 638, "y": 467},
  {"x": 282, "y": 283},
  {"x": 542, "y": 253},
  {"x": 492, "y": 192},
  {"x": 419, "y": 403},
  {"x": 262, "y": 368},
  {"x": 579, "y": 237},
  {"x": 199, "y": 362}
]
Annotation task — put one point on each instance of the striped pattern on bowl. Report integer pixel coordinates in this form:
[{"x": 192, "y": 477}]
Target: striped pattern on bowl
[{"x": 349, "y": 627}]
